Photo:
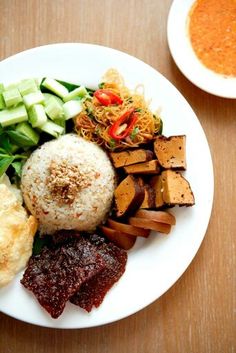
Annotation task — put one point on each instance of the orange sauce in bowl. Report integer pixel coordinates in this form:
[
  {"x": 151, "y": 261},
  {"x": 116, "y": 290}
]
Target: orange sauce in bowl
[{"x": 212, "y": 32}]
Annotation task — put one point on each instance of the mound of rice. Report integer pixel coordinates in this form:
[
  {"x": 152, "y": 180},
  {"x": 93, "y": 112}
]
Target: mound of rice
[{"x": 68, "y": 183}]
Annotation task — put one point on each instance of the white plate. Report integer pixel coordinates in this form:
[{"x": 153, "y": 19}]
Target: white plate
[
  {"x": 155, "y": 264},
  {"x": 185, "y": 58}
]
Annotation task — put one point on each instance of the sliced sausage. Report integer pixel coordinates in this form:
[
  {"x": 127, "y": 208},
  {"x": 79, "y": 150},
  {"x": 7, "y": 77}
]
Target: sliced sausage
[
  {"x": 148, "y": 224},
  {"x": 127, "y": 228},
  {"x": 157, "y": 216},
  {"x": 123, "y": 240}
]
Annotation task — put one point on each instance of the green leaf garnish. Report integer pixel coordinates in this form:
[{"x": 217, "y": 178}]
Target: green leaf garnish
[
  {"x": 17, "y": 167},
  {"x": 39, "y": 243},
  {"x": 112, "y": 143},
  {"x": 134, "y": 133},
  {"x": 101, "y": 85},
  {"x": 5, "y": 162}
]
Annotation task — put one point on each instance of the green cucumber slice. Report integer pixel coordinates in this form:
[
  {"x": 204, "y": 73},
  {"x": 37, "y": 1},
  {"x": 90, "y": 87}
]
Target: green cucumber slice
[{"x": 13, "y": 116}]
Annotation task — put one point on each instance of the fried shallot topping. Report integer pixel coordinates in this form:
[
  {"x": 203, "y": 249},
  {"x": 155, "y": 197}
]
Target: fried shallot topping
[{"x": 64, "y": 181}]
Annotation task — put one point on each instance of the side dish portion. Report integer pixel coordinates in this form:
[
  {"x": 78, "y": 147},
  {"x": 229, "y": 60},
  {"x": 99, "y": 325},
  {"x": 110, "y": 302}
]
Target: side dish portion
[
  {"x": 16, "y": 235},
  {"x": 68, "y": 183}
]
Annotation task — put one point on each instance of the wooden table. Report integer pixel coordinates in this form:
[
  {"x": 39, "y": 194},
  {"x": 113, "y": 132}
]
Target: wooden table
[{"x": 196, "y": 314}]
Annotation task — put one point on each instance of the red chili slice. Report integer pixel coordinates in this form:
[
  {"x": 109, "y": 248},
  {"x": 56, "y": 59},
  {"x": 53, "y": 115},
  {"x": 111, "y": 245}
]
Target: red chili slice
[
  {"x": 106, "y": 97},
  {"x": 130, "y": 118}
]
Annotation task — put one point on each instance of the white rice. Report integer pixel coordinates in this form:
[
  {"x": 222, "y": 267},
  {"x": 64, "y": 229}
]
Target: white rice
[{"x": 91, "y": 204}]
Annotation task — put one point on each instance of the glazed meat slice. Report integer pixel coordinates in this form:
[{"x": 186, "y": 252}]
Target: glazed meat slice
[
  {"x": 92, "y": 292},
  {"x": 57, "y": 273},
  {"x": 121, "y": 159}
]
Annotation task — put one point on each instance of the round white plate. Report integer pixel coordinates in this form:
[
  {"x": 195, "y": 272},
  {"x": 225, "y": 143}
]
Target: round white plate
[
  {"x": 154, "y": 264},
  {"x": 185, "y": 58}
]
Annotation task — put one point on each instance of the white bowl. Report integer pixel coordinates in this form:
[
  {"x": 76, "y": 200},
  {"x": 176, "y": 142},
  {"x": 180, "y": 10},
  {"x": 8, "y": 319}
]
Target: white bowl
[{"x": 185, "y": 58}]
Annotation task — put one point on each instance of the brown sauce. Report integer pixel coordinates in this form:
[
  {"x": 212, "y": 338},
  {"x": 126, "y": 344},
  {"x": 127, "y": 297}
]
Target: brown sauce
[{"x": 212, "y": 31}]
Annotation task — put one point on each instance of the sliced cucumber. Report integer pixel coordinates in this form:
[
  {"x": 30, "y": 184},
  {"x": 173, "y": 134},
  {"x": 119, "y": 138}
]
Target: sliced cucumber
[
  {"x": 62, "y": 123},
  {"x": 37, "y": 115},
  {"x": 33, "y": 98},
  {"x": 27, "y": 86},
  {"x": 26, "y": 130},
  {"x": 52, "y": 129},
  {"x": 53, "y": 106},
  {"x": 13, "y": 115},
  {"x": 55, "y": 87},
  {"x": 2, "y": 103},
  {"x": 11, "y": 86},
  {"x": 72, "y": 108},
  {"x": 12, "y": 97},
  {"x": 77, "y": 93}
]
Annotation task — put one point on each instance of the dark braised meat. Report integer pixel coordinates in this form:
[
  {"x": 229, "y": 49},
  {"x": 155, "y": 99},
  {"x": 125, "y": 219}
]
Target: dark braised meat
[
  {"x": 93, "y": 291},
  {"x": 63, "y": 236},
  {"x": 57, "y": 273}
]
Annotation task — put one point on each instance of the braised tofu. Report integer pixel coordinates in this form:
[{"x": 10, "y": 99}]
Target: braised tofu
[
  {"x": 129, "y": 195},
  {"x": 150, "y": 167},
  {"x": 171, "y": 151},
  {"x": 156, "y": 184},
  {"x": 121, "y": 159},
  {"x": 149, "y": 197},
  {"x": 176, "y": 189}
]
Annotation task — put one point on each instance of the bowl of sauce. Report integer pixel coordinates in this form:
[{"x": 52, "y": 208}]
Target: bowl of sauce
[{"x": 202, "y": 40}]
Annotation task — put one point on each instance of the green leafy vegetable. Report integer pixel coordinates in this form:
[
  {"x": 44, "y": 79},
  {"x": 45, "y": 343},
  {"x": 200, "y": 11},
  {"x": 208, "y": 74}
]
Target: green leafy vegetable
[
  {"x": 20, "y": 139},
  {"x": 130, "y": 100},
  {"x": 39, "y": 243},
  {"x": 101, "y": 85},
  {"x": 134, "y": 133},
  {"x": 97, "y": 131},
  {"x": 5, "y": 142},
  {"x": 68, "y": 85},
  {"x": 112, "y": 143},
  {"x": 161, "y": 126},
  {"x": 17, "y": 167},
  {"x": 5, "y": 162}
]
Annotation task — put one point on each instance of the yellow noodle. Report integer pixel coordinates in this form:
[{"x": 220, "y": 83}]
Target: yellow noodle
[{"x": 94, "y": 122}]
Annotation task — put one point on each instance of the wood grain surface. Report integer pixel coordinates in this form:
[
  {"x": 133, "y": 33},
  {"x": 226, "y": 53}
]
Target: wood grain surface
[{"x": 197, "y": 314}]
